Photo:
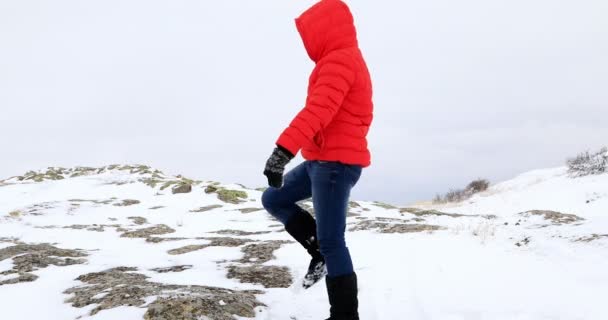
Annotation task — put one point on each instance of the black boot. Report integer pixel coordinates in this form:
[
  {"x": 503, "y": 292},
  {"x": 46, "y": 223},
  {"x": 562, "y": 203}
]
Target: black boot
[
  {"x": 303, "y": 228},
  {"x": 342, "y": 292}
]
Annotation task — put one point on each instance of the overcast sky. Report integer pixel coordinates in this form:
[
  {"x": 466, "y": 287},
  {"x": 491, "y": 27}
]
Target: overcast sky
[{"x": 463, "y": 89}]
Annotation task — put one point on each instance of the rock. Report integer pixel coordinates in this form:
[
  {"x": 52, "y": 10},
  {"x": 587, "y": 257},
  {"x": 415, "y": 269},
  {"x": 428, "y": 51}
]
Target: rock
[
  {"x": 261, "y": 252},
  {"x": 126, "y": 203},
  {"x": 172, "y": 269},
  {"x": 557, "y": 218},
  {"x": 202, "y": 307},
  {"x": 268, "y": 276},
  {"x": 121, "y": 286},
  {"x": 211, "y": 189},
  {"x": 147, "y": 232},
  {"x": 592, "y": 237},
  {"x": 138, "y": 220},
  {"x": 215, "y": 242},
  {"x": 22, "y": 277},
  {"x": 353, "y": 205},
  {"x": 231, "y": 196},
  {"x": 386, "y": 227},
  {"x": 182, "y": 188},
  {"x": 249, "y": 210},
  {"x": 31, "y": 257},
  {"x": 156, "y": 207},
  {"x": 187, "y": 249},
  {"x": 227, "y": 195},
  {"x": 240, "y": 232},
  {"x": 207, "y": 208},
  {"x": 159, "y": 239},
  {"x": 351, "y": 214}
]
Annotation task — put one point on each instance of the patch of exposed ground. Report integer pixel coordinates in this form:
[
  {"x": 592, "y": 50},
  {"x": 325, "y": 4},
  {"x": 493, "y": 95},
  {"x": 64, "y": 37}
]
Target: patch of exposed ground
[
  {"x": 250, "y": 210},
  {"x": 423, "y": 212},
  {"x": 215, "y": 242},
  {"x": 173, "y": 269},
  {"x": 240, "y": 232},
  {"x": 127, "y": 202},
  {"x": 261, "y": 252},
  {"x": 138, "y": 220},
  {"x": 556, "y": 218},
  {"x": 148, "y": 232},
  {"x": 98, "y": 202},
  {"x": 92, "y": 227},
  {"x": 123, "y": 287},
  {"x": 384, "y": 205},
  {"x": 163, "y": 239},
  {"x": 39, "y": 209},
  {"x": 268, "y": 276},
  {"x": 31, "y": 257},
  {"x": 251, "y": 269},
  {"x": 10, "y": 240},
  {"x": 352, "y": 214},
  {"x": 207, "y": 208},
  {"x": 592, "y": 237},
  {"x": 156, "y": 207},
  {"x": 227, "y": 195},
  {"x": 390, "y": 227}
]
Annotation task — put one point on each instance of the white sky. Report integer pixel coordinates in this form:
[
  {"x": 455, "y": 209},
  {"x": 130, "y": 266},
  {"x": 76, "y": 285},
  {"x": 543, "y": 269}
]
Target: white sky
[{"x": 463, "y": 89}]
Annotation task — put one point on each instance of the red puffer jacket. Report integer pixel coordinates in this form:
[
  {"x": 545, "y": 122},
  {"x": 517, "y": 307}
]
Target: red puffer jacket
[{"x": 334, "y": 123}]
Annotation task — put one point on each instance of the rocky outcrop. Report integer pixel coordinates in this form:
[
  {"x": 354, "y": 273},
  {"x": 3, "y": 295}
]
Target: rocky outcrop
[
  {"x": 31, "y": 257},
  {"x": 268, "y": 276},
  {"x": 122, "y": 286}
]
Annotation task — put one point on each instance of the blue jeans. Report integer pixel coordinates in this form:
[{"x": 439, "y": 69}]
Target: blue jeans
[{"x": 329, "y": 184}]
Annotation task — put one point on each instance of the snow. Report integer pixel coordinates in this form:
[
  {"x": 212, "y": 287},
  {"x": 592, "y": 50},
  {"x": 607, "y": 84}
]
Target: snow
[{"x": 471, "y": 269}]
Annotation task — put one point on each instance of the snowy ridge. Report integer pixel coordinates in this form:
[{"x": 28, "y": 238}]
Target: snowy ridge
[{"x": 131, "y": 242}]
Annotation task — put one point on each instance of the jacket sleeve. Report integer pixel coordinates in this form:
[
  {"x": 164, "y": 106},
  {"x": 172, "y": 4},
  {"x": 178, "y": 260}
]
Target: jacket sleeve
[{"x": 334, "y": 80}]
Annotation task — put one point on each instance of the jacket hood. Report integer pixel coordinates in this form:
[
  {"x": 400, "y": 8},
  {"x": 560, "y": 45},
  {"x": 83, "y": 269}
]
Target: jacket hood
[{"x": 325, "y": 27}]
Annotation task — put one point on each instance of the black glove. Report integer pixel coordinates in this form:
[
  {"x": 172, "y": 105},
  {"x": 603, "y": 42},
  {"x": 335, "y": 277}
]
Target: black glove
[{"x": 275, "y": 166}]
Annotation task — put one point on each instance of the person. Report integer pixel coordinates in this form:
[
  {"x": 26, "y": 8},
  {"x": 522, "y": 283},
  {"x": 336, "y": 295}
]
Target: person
[{"x": 331, "y": 133}]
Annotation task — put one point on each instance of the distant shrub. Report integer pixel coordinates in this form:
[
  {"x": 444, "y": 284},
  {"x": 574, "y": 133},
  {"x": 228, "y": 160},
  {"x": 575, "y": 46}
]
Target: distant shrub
[
  {"x": 457, "y": 195},
  {"x": 478, "y": 185},
  {"x": 587, "y": 163}
]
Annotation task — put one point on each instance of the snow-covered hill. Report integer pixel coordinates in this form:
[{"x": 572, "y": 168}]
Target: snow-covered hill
[{"x": 130, "y": 242}]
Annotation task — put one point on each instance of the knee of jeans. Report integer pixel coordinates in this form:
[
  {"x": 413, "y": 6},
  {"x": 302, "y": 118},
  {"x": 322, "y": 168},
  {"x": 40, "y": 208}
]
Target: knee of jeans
[
  {"x": 331, "y": 246},
  {"x": 268, "y": 200}
]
